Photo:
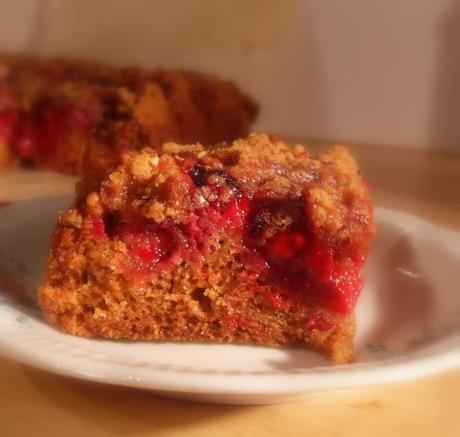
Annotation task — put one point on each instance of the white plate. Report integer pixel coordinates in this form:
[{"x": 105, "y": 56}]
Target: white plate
[{"x": 408, "y": 323}]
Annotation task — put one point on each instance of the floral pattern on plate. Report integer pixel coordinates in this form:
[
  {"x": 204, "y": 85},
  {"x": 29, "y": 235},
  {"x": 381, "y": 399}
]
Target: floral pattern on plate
[{"x": 408, "y": 322}]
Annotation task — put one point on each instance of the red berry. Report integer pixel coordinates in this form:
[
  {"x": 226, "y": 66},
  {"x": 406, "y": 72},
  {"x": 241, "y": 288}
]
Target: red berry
[
  {"x": 286, "y": 245},
  {"x": 95, "y": 226},
  {"x": 147, "y": 244},
  {"x": 235, "y": 213},
  {"x": 343, "y": 291},
  {"x": 8, "y": 122},
  {"x": 320, "y": 261}
]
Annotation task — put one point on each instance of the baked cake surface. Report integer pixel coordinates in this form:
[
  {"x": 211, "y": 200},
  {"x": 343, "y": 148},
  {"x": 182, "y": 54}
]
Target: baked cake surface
[
  {"x": 74, "y": 116},
  {"x": 254, "y": 242}
]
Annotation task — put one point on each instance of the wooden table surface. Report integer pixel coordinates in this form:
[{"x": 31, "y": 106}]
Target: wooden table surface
[{"x": 35, "y": 403}]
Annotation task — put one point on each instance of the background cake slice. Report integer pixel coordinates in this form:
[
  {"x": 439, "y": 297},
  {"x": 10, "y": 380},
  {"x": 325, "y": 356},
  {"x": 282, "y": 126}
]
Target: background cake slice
[
  {"x": 254, "y": 242},
  {"x": 75, "y": 116}
]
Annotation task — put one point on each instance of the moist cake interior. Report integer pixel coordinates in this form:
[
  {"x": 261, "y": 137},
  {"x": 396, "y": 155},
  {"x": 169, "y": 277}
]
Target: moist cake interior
[{"x": 254, "y": 242}]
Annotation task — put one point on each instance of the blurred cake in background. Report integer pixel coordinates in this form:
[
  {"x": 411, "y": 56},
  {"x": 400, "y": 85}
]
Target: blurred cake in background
[{"x": 77, "y": 116}]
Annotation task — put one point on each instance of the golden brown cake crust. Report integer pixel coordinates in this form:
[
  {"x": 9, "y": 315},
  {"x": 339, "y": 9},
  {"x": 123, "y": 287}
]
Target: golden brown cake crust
[
  {"x": 253, "y": 242},
  {"x": 76, "y": 116}
]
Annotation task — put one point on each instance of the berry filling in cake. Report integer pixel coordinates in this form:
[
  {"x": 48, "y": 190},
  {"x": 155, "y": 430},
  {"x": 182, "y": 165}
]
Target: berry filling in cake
[
  {"x": 254, "y": 242},
  {"x": 37, "y": 137}
]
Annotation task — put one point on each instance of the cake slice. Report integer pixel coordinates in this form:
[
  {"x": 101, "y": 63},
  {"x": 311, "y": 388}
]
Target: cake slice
[
  {"x": 254, "y": 242},
  {"x": 76, "y": 116}
]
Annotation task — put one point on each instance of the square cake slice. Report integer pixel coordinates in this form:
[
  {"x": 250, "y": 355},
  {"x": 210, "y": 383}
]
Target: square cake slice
[{"x": 254, "y": 242}]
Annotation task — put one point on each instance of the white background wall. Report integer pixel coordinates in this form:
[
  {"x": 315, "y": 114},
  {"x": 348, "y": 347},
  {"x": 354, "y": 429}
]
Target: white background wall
[{"x": 380, "y": 72}]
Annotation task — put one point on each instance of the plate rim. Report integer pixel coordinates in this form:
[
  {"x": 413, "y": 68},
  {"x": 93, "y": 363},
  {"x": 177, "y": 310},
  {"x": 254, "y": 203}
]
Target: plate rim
[{"x": 442, "y": 356}]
